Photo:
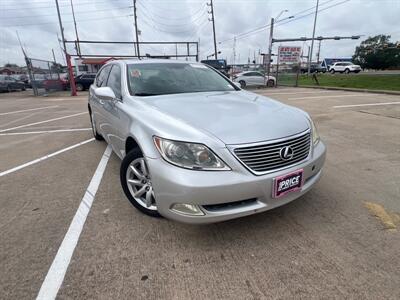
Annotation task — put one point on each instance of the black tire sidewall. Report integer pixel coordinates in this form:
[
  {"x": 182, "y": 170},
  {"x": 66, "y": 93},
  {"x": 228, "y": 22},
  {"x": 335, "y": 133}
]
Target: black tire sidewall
[
  {"x": 79, "y": 87},
  {"x": 131, "y": 156},
  {"x": 270, "y": 83},
  {"x": 96, "y": 135},
  {"x": 242, "y": 83}
]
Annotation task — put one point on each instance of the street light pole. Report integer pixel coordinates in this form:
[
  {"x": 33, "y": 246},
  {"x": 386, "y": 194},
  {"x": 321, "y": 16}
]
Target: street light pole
[
  {"x": 312, "y": 41},
  {"x": 78, "y": 47},
  {"x": 67, "y": 57},
  {"x": 271, "y": 34}
]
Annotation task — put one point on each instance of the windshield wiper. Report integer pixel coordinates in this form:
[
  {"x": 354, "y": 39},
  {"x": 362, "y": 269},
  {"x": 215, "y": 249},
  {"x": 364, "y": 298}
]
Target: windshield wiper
[{"x": 145, "y": 94}]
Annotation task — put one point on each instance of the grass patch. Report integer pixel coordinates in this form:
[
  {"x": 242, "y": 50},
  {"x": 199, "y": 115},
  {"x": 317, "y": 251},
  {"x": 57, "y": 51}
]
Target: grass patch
[{"x": 371, "y": 82}]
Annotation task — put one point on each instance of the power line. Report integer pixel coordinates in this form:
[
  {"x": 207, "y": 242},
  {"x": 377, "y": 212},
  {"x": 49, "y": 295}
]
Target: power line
[
  {"x": 52, "y": 6},
  {"x": 171, "y": 25},
  {"x": 170, "y": 31},
  {"x": 168, "y": 18},
  {"x": 66, "y": 14},
  {"x": 261, "y": 28},
  {"x": 80, "y": 21}
]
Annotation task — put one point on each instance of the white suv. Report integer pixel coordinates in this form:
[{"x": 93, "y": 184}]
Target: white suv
[{"x": 345, "y": 67}]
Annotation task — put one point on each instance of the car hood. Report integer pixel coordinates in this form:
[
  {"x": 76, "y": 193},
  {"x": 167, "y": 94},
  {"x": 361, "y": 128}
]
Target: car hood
[{"x": 236, "y": 117}]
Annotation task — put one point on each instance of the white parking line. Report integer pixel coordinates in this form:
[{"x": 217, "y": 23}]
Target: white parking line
[
  {"x": 32, "y": 162},
  {"x": 45, "y": 131},
  {"x": 25, "y": 110},
  {"x": 366, "y": 104},
  {"x": 41, "y": 122},
  {"x": 56, "y": 273},
  {"x": 295, "y": 93},
  {"x": 18, "y": 119},
  {"x": 329, "y": 96}
]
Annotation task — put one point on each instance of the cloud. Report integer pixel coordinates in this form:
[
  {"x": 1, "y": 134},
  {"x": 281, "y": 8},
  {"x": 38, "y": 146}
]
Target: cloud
[{"x": 186, "y": 20}]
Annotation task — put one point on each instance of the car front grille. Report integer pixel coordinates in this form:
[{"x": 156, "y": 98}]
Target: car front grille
[{"x": 266, "y": 157}]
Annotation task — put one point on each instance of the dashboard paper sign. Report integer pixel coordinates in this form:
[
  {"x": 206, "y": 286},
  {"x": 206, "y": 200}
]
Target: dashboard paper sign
[{"x": 289, "y": 54}]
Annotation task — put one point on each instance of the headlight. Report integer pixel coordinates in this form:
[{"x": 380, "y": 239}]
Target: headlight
[
  {"x": 189, "y": 155},
  {"x": 315, "y": 135}
]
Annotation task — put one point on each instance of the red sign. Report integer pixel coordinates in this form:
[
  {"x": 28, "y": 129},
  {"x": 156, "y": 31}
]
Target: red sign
[{"x": 289, "y": 54}]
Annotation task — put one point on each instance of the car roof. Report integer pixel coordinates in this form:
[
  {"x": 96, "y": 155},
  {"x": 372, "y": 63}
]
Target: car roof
[{"x": 152, "y": 61}]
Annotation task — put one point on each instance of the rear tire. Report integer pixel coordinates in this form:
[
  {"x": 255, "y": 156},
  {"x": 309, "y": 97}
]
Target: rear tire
[
  {"x": 242, "y": 84},
  {"x": 79, "y": 87},
  {"x": 134, "y": 159},
  {"x": 96, "y": 135}
]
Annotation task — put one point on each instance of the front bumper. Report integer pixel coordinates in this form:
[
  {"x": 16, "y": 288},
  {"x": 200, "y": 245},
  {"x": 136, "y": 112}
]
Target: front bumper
[{"x": 174, "y": 185}]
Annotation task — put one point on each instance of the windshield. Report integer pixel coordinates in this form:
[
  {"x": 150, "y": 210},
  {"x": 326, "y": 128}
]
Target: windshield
[{"x": 152, "y": 79}]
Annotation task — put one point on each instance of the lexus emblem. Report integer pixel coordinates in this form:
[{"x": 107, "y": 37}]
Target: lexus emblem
[{"x": 286, "y": 153}]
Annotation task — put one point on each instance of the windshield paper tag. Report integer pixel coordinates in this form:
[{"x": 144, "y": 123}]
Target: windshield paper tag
[{"x": 135, "y": 73}]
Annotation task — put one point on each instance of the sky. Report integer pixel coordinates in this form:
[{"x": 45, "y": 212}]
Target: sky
[{"x": 188, "y": 20}]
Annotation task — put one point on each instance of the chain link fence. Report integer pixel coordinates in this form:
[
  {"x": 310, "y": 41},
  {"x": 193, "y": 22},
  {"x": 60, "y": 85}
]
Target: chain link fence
[{"x": 46, "y": 76}]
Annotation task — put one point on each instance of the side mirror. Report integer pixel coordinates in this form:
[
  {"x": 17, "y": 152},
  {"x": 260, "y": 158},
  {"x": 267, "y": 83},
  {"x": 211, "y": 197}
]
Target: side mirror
[{"x": 104, "y": 93}]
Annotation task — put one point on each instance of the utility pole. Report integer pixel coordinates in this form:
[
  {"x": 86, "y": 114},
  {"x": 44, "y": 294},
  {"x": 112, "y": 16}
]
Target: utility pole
[
  {"x": 234, "y": 54},
  {"x": 312, "y": 41},
  {"x": 213, "y": 23},
  {"x": 54, "y": 56},
  {"x": 271, "y": 36},
  {"x": 67, "y": 57},
  {"x": 319, "y": 50},
  {"x": 78, "y": 47},
  {"x": 136, "y": 29}
]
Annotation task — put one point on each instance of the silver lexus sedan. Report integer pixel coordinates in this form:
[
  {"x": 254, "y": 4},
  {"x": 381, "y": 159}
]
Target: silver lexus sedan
[{"x": 195, "y": 147}]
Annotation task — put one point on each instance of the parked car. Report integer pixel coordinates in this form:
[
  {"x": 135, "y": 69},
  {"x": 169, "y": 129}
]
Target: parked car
[
  {"x": 344, "y": 67},
  {"x": 195, "y": 147},
  {"x": 253, "y": 78},
  {"x": 22, "y": 77},
  {"x": 8, "y": 84},
  {"x": 314, "y": 68},
  {"x": 218, "y": 64},
  {"x": 38, "y": 80},
  {"x": 54, "y": 82},
  {"x": 84, "y": 81}
]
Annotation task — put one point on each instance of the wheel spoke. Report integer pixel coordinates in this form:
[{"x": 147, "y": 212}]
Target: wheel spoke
[
  {"x": 144, "y": 167},
  {"x": 140, "y": 192},
  {"x": 135, "y": 182},
  {"x": 149, "y": 195},
  {"x": 136, "y": 172}
]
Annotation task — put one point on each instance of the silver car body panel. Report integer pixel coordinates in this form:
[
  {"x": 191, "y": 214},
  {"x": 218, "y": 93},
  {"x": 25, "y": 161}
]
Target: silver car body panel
[{"x": 221, "y": 121}]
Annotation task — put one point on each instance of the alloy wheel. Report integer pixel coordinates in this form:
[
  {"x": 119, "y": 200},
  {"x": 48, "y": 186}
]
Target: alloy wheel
[{"x": 140, "y": 185}]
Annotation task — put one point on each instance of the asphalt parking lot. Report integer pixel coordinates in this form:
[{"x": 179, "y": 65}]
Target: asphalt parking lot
[{"x": 341, "y": 240}]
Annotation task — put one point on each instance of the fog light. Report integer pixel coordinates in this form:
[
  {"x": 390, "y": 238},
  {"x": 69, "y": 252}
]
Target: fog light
[{"x": 187, "y": 209}]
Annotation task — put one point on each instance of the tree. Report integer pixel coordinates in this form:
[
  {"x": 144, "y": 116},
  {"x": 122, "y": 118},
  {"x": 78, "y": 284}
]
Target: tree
[
  {"x": 377, "y": 53},
  {"x": 8, "y": 65}
]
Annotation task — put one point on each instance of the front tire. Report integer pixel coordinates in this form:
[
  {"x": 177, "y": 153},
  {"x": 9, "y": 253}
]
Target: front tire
[
  {"x": 332, "y": 71},
  {"x": 347, "y": 71},
  {"x": 136, "y": 182},
  {"x": 242, "y": 84},
  {"x": 270, "y": 83}
]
